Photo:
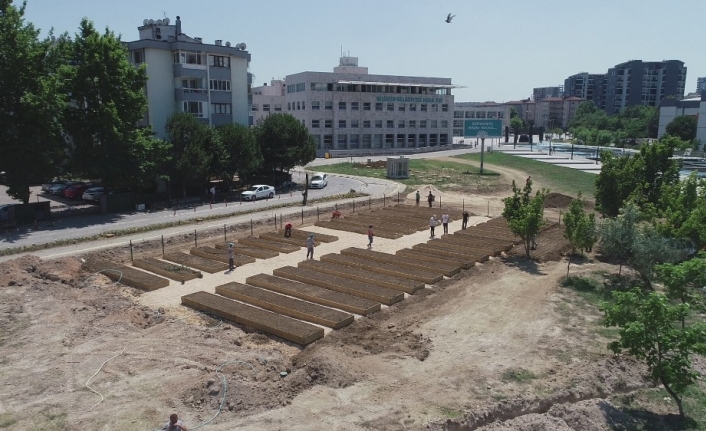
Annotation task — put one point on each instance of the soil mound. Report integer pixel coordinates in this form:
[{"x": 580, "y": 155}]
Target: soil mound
[
  {"x": 25, "y": 269},
  {"x": 557, "y": 200}
]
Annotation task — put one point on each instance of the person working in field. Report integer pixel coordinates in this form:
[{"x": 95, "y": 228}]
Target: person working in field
[{"x": 288, "y": 230}]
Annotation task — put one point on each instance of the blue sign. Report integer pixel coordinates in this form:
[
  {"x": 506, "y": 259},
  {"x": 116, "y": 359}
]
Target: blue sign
[{"x": 482, "y": 128}]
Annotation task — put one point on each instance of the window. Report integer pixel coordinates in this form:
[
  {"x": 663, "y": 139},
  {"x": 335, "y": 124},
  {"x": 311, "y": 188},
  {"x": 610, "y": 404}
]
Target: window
[
  {"x": 390, "y": 124},
  {"x": 328, "y": 124},
  {"x": 300, "y": 87},
  {"x": 458, "y": 123},
  {"x": 390, "y": 106},
  {"x": 341, "y": 106},
  {"x": 434, "y": 124},
  {"x": 366, "y": 106},
  {"x": 188, "y": 57},
  {"x": 354, "y": 124},
  {"x": 480, "y": 114},
  {"x": 458, "y": 114},
  {"x": 289, "y": 106},
  {"x": 366, "y": 124},
  {"x": 194, "y": 108},
  {"x": 412, "y": 106},
  {"x": 354, "y": 106},
  {"x": 492, "y": 114},
  {"x": 303, "y": 105},
  {"x": 328, "y": 141},
  {"x": 423, "y": 107},
  {"x": 255, "y": 107},
  {"x": 367, "y": 140},
  {"x": 341, "y": 124},
  {"x": 315, "y": 124},
  {"x": 291, "y": 88},
  {"x": 423, "y": 124},
  {"x": 219, "y": 85},
  {"x": 458, "y": 132},
  {"x": 342, "y": 139},
  {"x": 218, "y": 61},
  {"x": 470, "y": 114},
  {"x": 378, "y": 124},
  {"x": 266, "y": 107},
  {"x": 412, "y": 123},
  {"x": 444, "y": 107},
  {"x": 221, "y": 108},
  {"x": 501, "y": 114},
  {"x": 444, "y": 124},
  {"x": 328, "y": 105},
  {"x": 378, "y": 106},
  {"x": 354, "y": 139},
  {"x": 138, "y": 57},
  {"x": 400, "y": 124},
  {"x": 401, "y": 107},
  {"x": 315, "y": 105},
  {"x": 299, "y": 106},
  {"x": 278, "y": 108},
  {"x": 189, "y": 83},
  {"x": 434, "y": 107}
]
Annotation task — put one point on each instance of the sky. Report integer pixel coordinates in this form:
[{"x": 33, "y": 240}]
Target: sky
[{"x": 497, "y": 49}]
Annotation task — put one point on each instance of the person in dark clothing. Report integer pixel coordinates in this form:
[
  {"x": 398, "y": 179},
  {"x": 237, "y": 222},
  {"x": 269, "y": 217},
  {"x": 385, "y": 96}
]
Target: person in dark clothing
[
  {"x": 430, "y": 198},
  {"x": 464, "y": 219}
]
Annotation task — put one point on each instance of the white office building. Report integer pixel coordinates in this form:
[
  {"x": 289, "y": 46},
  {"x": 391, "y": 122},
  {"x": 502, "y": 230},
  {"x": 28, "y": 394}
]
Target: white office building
[
  {"x": 349, "y": 111},
  {"x": 669, "y": 109},
  {"x": 209, "y": 81}
]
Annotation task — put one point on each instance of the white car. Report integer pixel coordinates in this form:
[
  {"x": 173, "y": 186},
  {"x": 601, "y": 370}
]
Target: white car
[
  {"x": 318, "y": 181},
  {"x": 259, "y": 191},
  {"x": 93, "y": 194}
]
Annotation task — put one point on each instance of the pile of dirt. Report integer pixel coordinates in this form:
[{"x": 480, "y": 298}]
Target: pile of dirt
[
  {"x": 551, "y": 245},
  {"x": 557, "y": 200},
  {"x": 28, "y": 269},
  {"x": 372, "y": 164}
]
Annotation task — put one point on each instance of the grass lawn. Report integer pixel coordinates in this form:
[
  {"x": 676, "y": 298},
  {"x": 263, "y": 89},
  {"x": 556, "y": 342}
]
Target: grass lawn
[
  {"x": 443, "y": 175},
  {"x": 557, "y": 178}
]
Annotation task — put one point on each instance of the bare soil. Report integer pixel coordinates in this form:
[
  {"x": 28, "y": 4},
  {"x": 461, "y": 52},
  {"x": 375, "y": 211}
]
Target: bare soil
[{"x": 500, "y": 346}]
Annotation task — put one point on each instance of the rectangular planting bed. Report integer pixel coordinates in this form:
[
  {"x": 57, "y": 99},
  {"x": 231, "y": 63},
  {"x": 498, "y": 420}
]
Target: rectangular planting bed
[
  {"x": 357, "y": 228},
  {"x": 280, "y": 247},
  {"x": 464, "y": 246},
  {"x": 304, "y": 234},
  {"x": 221, "y": 255},
  {"x": 408, "y": 253},
  {"x": 503, "y": 245},
  {"x": 368, "y": 265},
  {"x": 383, "y": 280},
  {"x": 484, "y": 234},
  {"x": 282, "y": 326},
  {"x": 447, "y": 251},
  {"x": 447, "y": 268},
  {"x": 316, "y": 294},
  {"x": 340, "y": 284},
  {"x": 128, "y": 276},
  {"x": 201, "y": 263},
  {"x": 246, "y": 250},
  {"x": 298, "y": 242},
  {"x": 167, "y": 269},
  {"x": 285, "y": 305}
]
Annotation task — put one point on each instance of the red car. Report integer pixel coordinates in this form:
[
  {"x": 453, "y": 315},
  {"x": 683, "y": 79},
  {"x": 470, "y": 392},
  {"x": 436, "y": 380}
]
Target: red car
[{"x": 76, "y": 191}]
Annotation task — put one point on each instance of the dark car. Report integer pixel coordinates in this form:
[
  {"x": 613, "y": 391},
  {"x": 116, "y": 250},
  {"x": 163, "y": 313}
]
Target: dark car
[{"x": 523, "y": 138}]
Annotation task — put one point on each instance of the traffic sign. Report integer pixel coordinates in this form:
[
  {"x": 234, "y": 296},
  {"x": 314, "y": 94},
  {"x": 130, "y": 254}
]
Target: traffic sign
[{"x": 489, "y": 128}]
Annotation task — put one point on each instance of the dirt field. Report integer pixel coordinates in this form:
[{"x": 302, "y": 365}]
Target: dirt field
[{"x": 498, "y": 347}]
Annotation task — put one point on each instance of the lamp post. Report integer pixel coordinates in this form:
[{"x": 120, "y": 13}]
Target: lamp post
[{"x": 482, "y": 135}]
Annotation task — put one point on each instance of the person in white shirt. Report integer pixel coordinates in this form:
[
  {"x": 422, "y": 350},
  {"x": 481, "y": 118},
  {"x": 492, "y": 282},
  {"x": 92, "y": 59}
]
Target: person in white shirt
[
  {"x": 432, "y": 225},
  {"x": 445, "y": 223},
  {"x": 174, "y": 424}
]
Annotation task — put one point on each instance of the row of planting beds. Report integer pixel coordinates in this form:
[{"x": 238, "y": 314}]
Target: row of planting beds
[
  {"x": 128, "y": 276},
  {"x": 348, "y": 225},
  {"x": 167, "y": 269}
]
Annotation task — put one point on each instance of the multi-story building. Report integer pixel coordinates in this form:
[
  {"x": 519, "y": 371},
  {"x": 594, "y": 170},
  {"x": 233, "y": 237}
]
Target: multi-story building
[
  {"x": 700, "y": 84},
  {"x": 350, "y": 109},
  {"x": 695, "y": 106},
  {"x": 588, "y": 86},
  {"x": 479, "y": 110},
  {"x": 268, "y": 99},
  {"x": 211, "y": 82},
  {"x": 636, "y": 83},
  {"x": 541, "y": 93},
  {"x": 556, "y": 112}
]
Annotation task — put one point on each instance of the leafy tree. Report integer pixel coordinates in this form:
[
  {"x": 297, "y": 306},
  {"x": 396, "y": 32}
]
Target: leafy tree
[
  {"x": 648, "y": 332},
  {"x": 618, "y": 235},
  {"x": 242, "y": 154},
  {"x": 31, "y": 103},
  {"x": 517, "y": 124},
  {"x": 684, "y": 211},
  {"x": 603, "y": 138},
  {"x": 285, "y": 142},
  {"x": 525, "y": 214},
  {"x": 579, "y": 228},
  {"x": 681, "y": 281},
  {"x": 683, "y": 127},
  {"x": 108, "y": 100},
  {"x": 660, "y": 170}
]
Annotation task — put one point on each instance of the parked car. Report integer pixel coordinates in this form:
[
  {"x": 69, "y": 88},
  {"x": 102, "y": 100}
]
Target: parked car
[
  {"x": 76, "y": 191},
  {"x": 46, "y": 187},
  {"x": 58, "y": 189},
  {"x": 523, "y": 138},
  {"x": 318, "y": 181},
  {"x": 259, "y": 191},
  {"x": 93, "y": 194}
]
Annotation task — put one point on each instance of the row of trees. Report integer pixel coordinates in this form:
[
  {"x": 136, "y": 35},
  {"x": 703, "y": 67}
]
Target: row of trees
[
  {"x": 633, "y": 123},
  {"x": 71, "y": 106}
]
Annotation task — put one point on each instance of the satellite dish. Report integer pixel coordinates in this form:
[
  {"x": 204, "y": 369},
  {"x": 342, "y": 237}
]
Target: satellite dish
[
  {"x": 145, "y": 21},
  {"x": 166, "y": 21},
  {"x": 159, "y": 22},
  {"x": 151, "y": 22},
  {"x": 227, "y": 43},
  {"x": 242, "y": 46}
]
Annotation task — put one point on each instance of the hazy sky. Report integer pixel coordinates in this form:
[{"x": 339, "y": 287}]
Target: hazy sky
[{"x": 498, "y": 49}]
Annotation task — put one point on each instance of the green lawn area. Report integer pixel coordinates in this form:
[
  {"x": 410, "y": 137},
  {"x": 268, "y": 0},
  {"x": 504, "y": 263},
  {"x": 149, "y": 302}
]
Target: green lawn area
[
  {"x": 557, "y": 178},
  {"x": 444, "y": 175}
]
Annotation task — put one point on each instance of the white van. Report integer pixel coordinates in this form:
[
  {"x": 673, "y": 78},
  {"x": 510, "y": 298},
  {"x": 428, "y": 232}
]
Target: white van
[{"x": 318, "y": 181}]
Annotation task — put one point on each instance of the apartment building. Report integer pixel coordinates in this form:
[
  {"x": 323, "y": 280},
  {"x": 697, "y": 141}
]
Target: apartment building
[
  {"x": 700, "y": 84},
  {"x": 209, "y": 81},
  {"x": 588, "y": 86},
  {"x": 268, "y": 99},
  {"x": 638, "y": 83},
  {"x": 541, "y": 93}
]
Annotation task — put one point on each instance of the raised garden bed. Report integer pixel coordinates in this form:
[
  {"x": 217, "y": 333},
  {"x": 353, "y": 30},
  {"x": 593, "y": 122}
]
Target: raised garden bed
[
  {"x": 201, "y": 263},
  {"x": 338, "y": 224},
  {"x": 464, "y": 246},
  {"x": 246, "y": 250},
  {"x": 285, "y": 305},
  {"x": 167, "y": 269},
  {"x": 221, "y": 255},
  {"x": 503, "y": 245},
  {"x": 316, "y": 294},
  {"x": 304, "y": 234},
  {"x": 464, "y": 262},
  {"x": 128, "y": 276},
  {"x": 368, "y": 265},
  {"x": 298, "y": 242},
  {"x": 340, "y": 284},
  {"x": 451, "y": 251},
  {"x": 282, "y": 326},
  {"x": 446, "y": 268},
  {"x": 481, "y": 233},
  {"x": 383, "y": 280},
  {"x": 277, "y": 246}
]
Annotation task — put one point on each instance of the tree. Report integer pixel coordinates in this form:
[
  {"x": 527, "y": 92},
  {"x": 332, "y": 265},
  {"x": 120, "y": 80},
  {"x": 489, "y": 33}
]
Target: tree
[
  {"x": 516, "y": 123},
  {"x": 579, "y": 228},
  {"x": 284, "y": 142},
  {"x": 683, "y": 127},
  {"x": 684, "y": 211},
  {"x": 602, "y": 138},
  {"x": 242, "y": 154},
  {"x": 525, "y": 214},
  {"x": 648, "y": 332},
  {"x": 31, "y": 103},
  {"x": 108, "y": 101},
  {"x": 618, "y": 235},
  {"x": 681, "y": 281}
]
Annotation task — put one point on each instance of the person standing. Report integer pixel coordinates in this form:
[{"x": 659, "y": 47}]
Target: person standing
[
  {"x": 213, "y": 194},
  {"x": 288, "y": 230},
  {"x": 370, "y": 236},
  {"x": 432, "y": 225},
  {"x": 231, "y": 257},
  {"x": 174, "y": 424},
  {"x": 417, "y": 197},
  {"x": 464, "y": 223},
  {"x": 445, "y": 223},
  {"x": 430, "y": 198},
  {"x": 310, "y": 247}
]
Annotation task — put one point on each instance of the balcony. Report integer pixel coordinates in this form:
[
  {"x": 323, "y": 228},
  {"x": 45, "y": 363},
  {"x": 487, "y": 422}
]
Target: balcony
[
  {"x": 188, "y": 94},
  {"x": 190, "y": 70}
]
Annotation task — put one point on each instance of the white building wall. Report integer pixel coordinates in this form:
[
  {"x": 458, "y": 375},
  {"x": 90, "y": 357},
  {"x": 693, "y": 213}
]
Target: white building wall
[
  {"x": 668, "y": 113},
  {"x": 239, "y": 90},
  {"x": 160, "y": 89}
]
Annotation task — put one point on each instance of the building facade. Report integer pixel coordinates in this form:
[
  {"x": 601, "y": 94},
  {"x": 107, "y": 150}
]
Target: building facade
[
  {"x": 211, "y": 82},
  {"x": 556, "y": 112},
  {"x": 669, "y": 109},
  {"x": 638, "y": 83},
  {"x": 350, "y": 109},
  {"x": 541, "y": 93},
  {"x": 700, "y": 84},
  {"x": 268, "y": 99},
  {"x": 588, "y": 86}
]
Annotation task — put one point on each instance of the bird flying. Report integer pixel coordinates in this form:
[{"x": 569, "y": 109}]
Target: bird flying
[{"x": 449, "y": 18}]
